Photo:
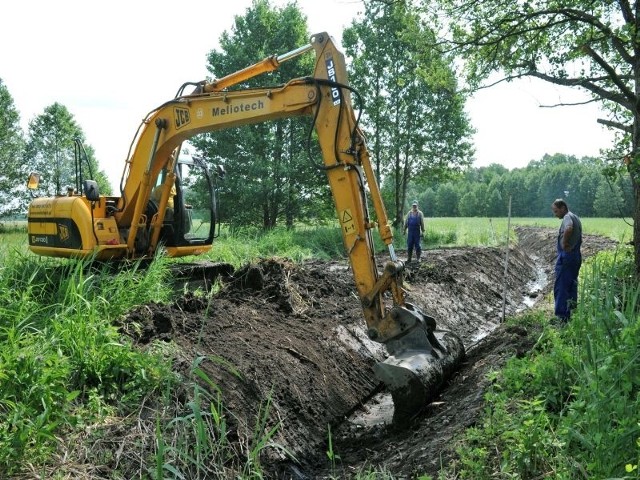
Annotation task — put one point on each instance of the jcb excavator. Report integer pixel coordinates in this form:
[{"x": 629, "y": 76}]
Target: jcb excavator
[{"x": 156, "y": 208}]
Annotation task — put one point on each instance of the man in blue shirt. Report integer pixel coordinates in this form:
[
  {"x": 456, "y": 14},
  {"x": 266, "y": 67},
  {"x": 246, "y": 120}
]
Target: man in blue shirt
[{"x": 565, "y": 289}]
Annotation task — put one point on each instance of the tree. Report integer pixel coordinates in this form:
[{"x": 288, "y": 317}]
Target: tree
[
  {"x": 12, "y": 175},
  {"x": 582, "y": 201},
  {"x": 496, "y": 204},
  {"x": 447, "y": 200},
  {"x": 427, "y": 202},
  {"x": 269, "y": 176},
  {"x": 608, "y": 199},
  {"x": 414, "y": 112},
  {"x": 591, "y": 46},
  {"x": 51, "y": 149}
]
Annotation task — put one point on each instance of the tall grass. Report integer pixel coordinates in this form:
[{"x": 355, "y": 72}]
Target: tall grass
[
  {"x": 195, "y": 442},
  {"x": 325, "y": 241},
  {"x": 65, "y": 367},
  {"x": 59, "y": 351}
]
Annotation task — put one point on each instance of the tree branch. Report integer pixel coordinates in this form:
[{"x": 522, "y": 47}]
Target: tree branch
[
  {"x": 572, "y": 104},
  {"x": 612, "y": 73},
  {"x": 618, "y": 125},
  {"x": 586, "y": 84}
]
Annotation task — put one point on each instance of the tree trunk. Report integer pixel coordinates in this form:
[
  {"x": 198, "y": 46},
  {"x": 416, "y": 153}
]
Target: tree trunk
[
  {"x": 634, "y": 168},
  {"x": 636, "y": 223},
  {"x": 290, "y": 201},
  {"x": 399, "y": 216}
]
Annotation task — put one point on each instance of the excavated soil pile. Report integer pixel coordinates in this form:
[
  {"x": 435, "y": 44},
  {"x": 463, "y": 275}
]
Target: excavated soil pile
[{"x": 295, "y": 334}]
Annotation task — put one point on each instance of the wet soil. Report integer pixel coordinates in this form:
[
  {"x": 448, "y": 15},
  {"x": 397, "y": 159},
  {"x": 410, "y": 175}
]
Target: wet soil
[{"x": 294, "y": 335}]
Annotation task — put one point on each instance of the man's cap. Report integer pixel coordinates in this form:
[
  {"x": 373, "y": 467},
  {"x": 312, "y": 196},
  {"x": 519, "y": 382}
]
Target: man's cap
[{"x": 415, "y": 202}]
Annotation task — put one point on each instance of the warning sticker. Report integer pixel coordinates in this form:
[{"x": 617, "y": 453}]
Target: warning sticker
[{"x": 348, "y": 225}]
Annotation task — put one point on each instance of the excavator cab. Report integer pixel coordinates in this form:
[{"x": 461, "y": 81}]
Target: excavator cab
[
  {"x": 81, "y": 222},
  {"x": 190, "y": 216}
]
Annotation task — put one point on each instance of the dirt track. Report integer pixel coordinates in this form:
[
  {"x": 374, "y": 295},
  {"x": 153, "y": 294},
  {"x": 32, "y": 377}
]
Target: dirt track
[{"x": 295, "y": 334}]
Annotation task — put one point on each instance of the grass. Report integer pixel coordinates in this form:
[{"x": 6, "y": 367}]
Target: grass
[
  {"x": 325, "y": 242},
  {"x": 66, "y": 372},
  {"x": 492, "y": 231},
  {"x": 570, "y": 409},
  {"x": 62, "y": 361}
]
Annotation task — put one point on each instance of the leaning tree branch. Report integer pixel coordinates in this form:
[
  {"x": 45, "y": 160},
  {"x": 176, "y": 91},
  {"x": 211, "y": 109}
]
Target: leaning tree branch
[
  {"x": 586, "y": 84},
  {"x": 595, "y": 22},
  {"x": 611, "y": 71},
  {"x": 572, "y": 104},
  {"x": 518, "y": 24},
  {"x": 627, "y": 13},
  {"x": 617, "y": 125}
]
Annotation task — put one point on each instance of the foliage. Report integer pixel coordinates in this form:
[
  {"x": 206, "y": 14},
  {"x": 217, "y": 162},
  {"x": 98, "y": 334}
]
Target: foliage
[
  {"x": 67, "y": 372},
  {"x": 414, "y": 116},
  {"x": 579, "y": 44},
  {"x": 325, "y": 242},
  {"x": 569, "y": 409},
  {"x": 12, "y": 173},
  {"x": 485, "y": 191},
  {"x": 268, "y": 166},
  {"x": 197, "y": 443},
  {"x": 59, "y": 352},
  {"x": 51, "y": 151}
]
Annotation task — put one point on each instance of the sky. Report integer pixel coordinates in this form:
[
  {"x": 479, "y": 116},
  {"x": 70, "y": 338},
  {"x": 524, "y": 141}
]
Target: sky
[{"x": 110, "y": 63}]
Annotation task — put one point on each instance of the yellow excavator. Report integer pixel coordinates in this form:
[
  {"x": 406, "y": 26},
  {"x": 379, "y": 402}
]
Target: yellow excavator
[{"x": 157, "y": 208}]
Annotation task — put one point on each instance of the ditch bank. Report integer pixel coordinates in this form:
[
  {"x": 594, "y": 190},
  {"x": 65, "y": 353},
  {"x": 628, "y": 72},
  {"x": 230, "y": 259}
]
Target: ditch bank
[{"x": 293, "y": 335}]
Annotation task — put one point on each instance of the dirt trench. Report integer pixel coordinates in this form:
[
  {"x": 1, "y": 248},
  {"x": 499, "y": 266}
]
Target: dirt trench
[{"x": 294, "y": 334}]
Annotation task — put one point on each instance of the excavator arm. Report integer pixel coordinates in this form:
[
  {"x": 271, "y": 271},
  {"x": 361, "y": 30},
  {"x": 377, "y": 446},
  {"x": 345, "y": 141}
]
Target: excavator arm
[
  {"x": 421, "y": 358},
  {"x": 326, "y": 97}
]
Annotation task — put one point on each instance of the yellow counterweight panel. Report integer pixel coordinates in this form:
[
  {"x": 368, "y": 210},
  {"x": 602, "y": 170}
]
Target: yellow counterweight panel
[{"x": 78, "y": 211}]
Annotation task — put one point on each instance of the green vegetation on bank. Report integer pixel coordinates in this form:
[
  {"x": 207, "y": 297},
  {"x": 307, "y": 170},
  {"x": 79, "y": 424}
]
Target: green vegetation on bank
[
  {"x": 325, "y": 242},
  {"x": 569, "y": 408}
]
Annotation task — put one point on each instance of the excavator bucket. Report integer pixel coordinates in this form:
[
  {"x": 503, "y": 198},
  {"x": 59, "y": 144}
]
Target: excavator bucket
[{"x": 420, "y": 362}]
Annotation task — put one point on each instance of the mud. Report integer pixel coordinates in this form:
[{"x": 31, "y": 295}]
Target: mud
[{"x": 294, "y": 335}]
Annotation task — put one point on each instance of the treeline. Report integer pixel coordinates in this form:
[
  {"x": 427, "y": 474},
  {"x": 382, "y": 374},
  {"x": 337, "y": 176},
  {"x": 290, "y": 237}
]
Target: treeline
[
  {"x": 412, "y": 113},
  {"x": 485, "y": 191}
]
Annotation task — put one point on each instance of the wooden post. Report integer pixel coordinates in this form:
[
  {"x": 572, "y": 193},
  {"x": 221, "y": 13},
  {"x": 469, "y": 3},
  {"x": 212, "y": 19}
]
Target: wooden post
[{"x": 506, "y": 263}]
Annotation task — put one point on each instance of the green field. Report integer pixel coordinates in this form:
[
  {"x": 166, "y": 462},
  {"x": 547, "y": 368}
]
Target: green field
[
  {"x": 491, "y": 231},
  {"x": 325, "y": 241}
]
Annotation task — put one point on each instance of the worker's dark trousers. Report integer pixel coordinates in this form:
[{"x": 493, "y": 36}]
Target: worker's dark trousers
[
  {"x": 565, "y": 289},
  {"x": 413, "y": 241}
]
